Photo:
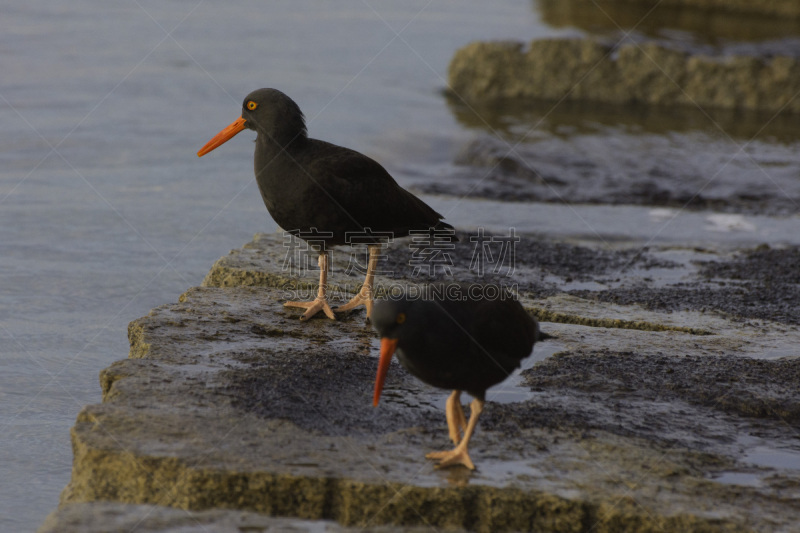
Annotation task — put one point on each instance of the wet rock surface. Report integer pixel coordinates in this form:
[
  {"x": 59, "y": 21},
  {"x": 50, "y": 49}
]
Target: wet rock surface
[
  {"x": 229, "y": 402},
  {"x": 649, "y": 72},
  {"x": 620, "y": 166},
  {"x": 704, "y": 21},
  {"x": 740, "y": 386},
  {"x": 103, "y": 517},
  {"x": 761, "y": 283},
  {"x": 539, "y": 259},
  {"x": 778, "y": 8},
  {"x": 628, "y": 120}
]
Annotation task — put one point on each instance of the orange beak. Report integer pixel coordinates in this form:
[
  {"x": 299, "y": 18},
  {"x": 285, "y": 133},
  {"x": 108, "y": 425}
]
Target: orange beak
[
  {"x": 223, "y": 136},
  {"x": 388, "y": 346}
]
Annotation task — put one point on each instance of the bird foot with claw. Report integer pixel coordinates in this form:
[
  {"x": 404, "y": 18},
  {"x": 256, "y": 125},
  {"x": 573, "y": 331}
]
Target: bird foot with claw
[
  {"x": 363, "y": 297},
  {"x": 451, "y": 458},
  {"x": 313, "y": 307}
]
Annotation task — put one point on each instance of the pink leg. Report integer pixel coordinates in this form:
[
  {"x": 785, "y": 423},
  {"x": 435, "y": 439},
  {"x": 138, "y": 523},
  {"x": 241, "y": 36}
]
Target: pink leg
[
  {"x": 456, "y": 423},
  {"x": 320, "y": 303},
  {"x": 459, "y": 455},
  {"x": 365, "y": 295}
]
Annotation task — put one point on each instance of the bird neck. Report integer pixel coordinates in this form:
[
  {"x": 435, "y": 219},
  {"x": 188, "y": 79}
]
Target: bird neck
[
  {"x": 278, "y": 141},
  {"x": 275, "y": 160}
]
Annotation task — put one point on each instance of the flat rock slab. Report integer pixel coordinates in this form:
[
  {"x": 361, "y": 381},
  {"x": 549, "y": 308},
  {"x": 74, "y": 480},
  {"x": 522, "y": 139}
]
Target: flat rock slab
[
  {"x": 643, "y": 420},
  {"x": 106, "y": 517},
  {"x": 650, "y": 73},
  {"x": 781, "y": 8}
]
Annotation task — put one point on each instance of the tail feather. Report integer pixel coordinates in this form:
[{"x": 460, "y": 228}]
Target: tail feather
[{"x": 444, "y": 226}]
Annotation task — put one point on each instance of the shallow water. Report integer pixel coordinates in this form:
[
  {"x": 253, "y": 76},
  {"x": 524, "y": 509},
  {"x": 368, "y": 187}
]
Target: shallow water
[
  {"x": 763, "y": 456},
  {"x": 105, "y": 209},
  {"x": 107, "y": 212}
]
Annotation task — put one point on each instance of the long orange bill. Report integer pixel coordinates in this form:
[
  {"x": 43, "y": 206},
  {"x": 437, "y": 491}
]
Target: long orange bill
[
  {"x": 223, "y": 136},
  {"x": 388, "y": 347}
]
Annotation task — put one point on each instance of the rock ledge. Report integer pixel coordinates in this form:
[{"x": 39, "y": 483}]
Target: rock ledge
[{"x": 228, "y": 404}]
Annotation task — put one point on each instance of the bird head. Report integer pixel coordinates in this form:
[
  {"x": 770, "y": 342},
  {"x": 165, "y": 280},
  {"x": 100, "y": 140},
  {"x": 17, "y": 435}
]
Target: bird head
[
  {"x": 267, "y": 111},
  {"x": 391, "y": 320}
]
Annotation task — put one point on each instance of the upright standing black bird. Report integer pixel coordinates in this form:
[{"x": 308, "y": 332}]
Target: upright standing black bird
[
  {"x": 460, "y": 337},
  {"x": 316, "y": 188}
]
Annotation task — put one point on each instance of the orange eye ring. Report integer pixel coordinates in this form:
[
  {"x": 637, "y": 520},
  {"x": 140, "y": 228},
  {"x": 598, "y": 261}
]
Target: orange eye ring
[
  {"x": 401, "y": 317},
  {"x": 251, "y": 105}
]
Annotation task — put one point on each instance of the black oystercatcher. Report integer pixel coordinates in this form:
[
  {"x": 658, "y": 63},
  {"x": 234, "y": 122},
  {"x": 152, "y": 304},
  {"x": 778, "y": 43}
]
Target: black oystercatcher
[
  {"x": 312, "y": 187},
  {"x": 455, "y": 336}
]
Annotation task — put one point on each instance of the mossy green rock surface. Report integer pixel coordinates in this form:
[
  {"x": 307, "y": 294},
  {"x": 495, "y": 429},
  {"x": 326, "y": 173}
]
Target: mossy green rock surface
[{"x": 228, "y": 405}]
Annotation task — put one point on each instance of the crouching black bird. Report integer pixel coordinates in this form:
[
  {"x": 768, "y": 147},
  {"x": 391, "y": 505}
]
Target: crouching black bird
[{"x": 455, "y": 336}]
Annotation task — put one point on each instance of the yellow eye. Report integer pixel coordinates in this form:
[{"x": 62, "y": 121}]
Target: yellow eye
[
  {"x": 251, "y": 105},
  {"x": 401, "y": 317}
]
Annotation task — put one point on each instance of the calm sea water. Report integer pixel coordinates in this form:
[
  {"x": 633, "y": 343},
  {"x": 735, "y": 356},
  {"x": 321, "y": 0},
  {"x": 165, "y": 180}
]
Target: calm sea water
[{"x": 106, "y": 211}]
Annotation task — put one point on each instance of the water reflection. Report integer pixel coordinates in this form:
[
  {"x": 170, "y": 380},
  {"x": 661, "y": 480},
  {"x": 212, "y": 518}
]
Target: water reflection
[
  {"x": 655, "y": 19},
  {"x": 517, "y": 119},
  {"x": 591, "y": 153}
]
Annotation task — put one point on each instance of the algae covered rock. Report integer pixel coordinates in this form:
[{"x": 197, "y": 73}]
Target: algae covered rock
[
  {"x": 230, "y": 412},
  {"x": 584, "y": 69}
]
